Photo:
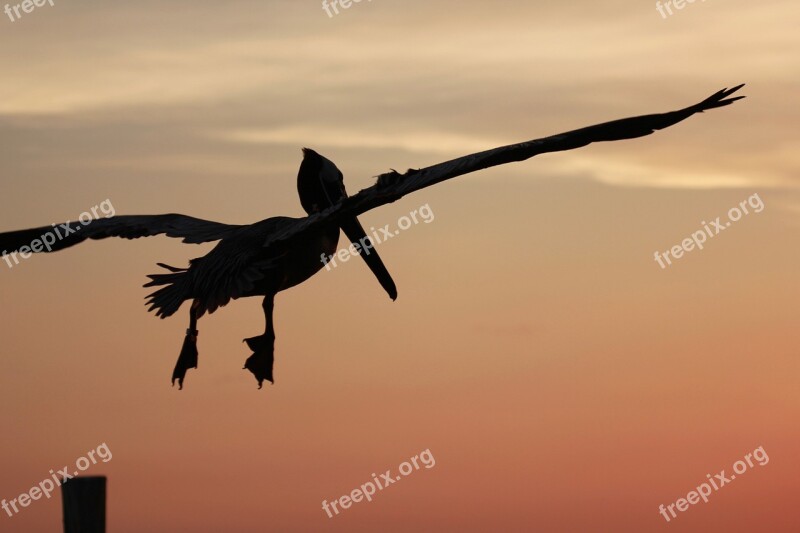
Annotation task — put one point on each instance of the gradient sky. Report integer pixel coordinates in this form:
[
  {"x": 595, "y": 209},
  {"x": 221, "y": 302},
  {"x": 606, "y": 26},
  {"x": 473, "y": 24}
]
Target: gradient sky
[{"x": 561, "y": 379}]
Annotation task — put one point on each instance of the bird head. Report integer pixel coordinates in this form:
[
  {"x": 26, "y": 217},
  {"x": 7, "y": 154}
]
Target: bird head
[{"x": 319, "y": 183}]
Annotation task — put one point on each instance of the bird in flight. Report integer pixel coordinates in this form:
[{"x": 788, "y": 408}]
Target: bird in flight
[{"x": 275, "y": 254}]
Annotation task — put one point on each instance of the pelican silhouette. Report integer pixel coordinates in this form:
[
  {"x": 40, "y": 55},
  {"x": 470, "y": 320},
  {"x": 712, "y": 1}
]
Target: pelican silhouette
[{"x": 275, "y": 254}]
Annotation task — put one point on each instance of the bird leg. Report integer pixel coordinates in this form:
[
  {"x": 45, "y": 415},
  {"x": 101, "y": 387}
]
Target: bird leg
[
  {"x": 188, "y": 357},
  {"x": 260, "y": 363}
]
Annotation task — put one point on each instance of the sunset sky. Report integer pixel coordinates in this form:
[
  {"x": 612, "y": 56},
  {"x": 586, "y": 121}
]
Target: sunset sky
[{"x": 561, "y": 379}]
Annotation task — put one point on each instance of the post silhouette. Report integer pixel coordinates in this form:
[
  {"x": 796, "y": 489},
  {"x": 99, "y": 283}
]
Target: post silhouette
[{"x": 84, "y": 504}]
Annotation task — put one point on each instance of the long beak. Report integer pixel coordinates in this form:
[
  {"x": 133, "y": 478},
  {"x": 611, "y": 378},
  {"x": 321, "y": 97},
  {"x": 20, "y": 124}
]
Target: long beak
[{"x": 352, "y": 228}]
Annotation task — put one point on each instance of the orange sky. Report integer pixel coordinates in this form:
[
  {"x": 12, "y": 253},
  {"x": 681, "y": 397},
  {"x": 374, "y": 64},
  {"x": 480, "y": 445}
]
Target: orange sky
[{"x": 561, "y": 379}]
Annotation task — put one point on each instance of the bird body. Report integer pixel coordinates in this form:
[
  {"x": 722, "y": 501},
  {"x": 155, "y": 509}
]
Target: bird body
[{"x": 238, "y": 267}]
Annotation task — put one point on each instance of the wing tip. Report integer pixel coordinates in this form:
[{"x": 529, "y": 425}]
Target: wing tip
[{"x": 720, "y": 98}]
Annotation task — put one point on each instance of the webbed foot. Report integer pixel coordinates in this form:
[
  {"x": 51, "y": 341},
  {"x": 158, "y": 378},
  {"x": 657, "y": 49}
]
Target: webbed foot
[{"x": 261, "y": 362}]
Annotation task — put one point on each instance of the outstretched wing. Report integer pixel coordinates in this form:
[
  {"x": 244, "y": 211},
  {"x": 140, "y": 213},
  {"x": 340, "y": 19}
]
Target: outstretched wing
[
  {"x": 59, "y": 236},
  {"x": 392, "y": 186}
]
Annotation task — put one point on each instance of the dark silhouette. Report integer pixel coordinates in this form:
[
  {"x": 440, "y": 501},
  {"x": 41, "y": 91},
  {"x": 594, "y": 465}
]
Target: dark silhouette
[
  {"x": 275, "y": 254},
  {"x": 84, "y": 504}
]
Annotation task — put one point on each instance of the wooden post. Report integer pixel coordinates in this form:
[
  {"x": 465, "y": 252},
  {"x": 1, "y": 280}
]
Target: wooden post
[{"x": 84, "y": 504}]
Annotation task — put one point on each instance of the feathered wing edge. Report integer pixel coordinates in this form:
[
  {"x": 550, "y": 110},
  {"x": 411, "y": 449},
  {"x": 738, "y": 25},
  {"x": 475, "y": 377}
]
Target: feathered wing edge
[{"x": 60, "y": 236}]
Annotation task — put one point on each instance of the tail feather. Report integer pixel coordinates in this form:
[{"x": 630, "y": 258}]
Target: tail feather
[{"x": 176, "y": 289}]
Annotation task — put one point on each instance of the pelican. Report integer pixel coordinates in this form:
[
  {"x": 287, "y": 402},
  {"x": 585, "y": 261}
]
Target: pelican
[{"x": 278, "y": 253}]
